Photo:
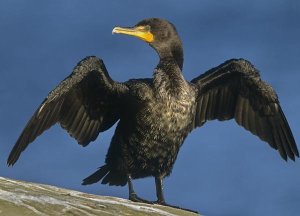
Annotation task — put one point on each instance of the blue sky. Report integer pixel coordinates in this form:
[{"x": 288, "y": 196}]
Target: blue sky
[{"x": 221, "y": 169}]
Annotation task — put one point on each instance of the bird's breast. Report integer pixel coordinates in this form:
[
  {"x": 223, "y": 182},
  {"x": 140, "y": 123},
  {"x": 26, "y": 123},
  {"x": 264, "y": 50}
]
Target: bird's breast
[
  {"x": 158, "y": 126},
  {"x": 166, "y": 118}
]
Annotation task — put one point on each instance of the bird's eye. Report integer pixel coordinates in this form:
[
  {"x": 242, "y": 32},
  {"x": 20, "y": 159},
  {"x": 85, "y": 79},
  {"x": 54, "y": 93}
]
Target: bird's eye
[{"x": 147, "y": 28}]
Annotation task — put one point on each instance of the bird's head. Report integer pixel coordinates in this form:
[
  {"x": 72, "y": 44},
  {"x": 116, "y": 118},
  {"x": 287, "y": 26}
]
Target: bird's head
[{"x": 159, "y": 34}]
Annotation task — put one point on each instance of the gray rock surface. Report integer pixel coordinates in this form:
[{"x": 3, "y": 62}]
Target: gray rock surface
[{"x": 29, "y": 199}]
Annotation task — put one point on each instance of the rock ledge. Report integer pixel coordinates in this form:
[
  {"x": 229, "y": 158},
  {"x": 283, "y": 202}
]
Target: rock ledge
[{"x": 24, "y": 198}]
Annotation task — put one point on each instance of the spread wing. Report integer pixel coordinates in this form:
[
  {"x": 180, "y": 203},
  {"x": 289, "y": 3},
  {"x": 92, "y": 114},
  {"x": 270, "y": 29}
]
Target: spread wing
[
  {"x": 234, "y": 90},
  {"x": 85, "y": 103}
]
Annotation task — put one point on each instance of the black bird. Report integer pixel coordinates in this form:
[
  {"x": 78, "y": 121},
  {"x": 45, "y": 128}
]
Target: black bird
[{"x": 155, "y": 115}]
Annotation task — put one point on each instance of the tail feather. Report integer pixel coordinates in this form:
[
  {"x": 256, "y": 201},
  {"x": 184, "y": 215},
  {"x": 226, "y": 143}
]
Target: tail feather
[
  {"x": 96, "y": 176},
  {"x": 113, "y": 178},
  {"x": 108, "y": 176}
]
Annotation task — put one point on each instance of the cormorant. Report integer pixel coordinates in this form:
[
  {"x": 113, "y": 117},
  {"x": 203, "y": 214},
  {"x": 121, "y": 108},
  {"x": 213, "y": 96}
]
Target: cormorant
[{"x": 155, "y": 115}]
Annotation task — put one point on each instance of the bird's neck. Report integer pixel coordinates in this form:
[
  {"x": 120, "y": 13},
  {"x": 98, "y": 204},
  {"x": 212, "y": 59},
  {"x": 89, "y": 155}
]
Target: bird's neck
[
  {"x": 173, "y": 53},
  {"x": 168, "y": 79},
  {"x": 177, "y": 53}
]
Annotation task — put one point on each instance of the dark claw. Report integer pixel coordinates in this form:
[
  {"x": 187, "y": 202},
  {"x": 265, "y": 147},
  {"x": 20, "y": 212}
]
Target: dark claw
[{"x": 172, "y": 206}]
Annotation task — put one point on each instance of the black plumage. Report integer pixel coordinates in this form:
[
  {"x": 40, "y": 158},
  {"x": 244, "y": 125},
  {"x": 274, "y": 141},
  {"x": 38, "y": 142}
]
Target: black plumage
[{"x": 155, "y": 115}]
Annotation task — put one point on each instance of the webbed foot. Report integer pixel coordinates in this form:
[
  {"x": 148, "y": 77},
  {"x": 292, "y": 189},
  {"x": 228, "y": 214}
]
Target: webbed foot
[
  {"x": 162, "y": 202},
  {"x": 133, "y": 197}
]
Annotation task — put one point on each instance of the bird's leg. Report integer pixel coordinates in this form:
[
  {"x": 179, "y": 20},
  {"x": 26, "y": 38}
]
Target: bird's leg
[
  {"x": 159, "y": 190},
  {"x": 132, "y": 195},
  {"x": 160, "y": 195}
]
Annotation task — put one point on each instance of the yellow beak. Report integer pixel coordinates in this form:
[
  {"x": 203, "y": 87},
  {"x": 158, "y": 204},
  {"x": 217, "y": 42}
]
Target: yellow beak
[{"x": 141, "y": 32}]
